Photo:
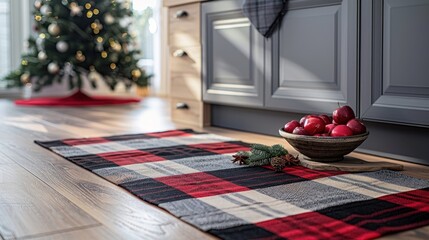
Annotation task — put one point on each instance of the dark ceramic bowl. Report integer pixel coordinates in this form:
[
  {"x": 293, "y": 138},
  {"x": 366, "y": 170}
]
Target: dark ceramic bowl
[{"x": 324, "y": 149}]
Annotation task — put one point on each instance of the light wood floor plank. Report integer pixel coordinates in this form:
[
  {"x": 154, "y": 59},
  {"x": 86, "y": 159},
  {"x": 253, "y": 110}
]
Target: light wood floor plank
[
  {"x": 30, "y": 207},
  {"x": 95, "y": 232}
]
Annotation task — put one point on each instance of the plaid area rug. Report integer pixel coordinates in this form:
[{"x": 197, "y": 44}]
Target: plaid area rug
[{"x": 190, "y": 174}]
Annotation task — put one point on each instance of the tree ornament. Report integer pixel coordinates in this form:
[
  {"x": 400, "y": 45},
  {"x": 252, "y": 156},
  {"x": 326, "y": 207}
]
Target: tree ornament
[
  {"x": 65, "y": 2},
  {"x": 125, "y": 22},
  {"x": 25, "y": 78},
  {"x": 37, "y": 4},
  {"x": 53, "y": 68},
  {"x": 42, "y": 56},
  {"x": 54, "y": 29},
  {"x": 45, "y": 10},
  {"x": 136, "y": 73},
  {"x": 39, "y": 43},
  {"x": 75, "y": 9},
  {"x": 108, "y": 18},
  {"x": 93, "y": 75},
  {"x": 62, "y": 46}
]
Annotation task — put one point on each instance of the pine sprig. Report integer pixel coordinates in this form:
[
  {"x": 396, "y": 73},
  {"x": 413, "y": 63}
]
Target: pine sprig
[{"x": 260, "y": 154}]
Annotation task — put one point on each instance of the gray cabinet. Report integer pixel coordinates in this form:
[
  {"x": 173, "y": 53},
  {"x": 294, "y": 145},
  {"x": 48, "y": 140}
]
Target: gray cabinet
[
  {"x": 311, "y": 62},
  {"x": 370, "y": 54},
  {"x": 232, "y": 56},
  {"x": 395, "y": 61}
]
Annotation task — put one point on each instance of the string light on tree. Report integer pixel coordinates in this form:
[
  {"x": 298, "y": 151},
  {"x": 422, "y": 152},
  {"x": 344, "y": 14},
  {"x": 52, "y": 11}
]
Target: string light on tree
[
  {"x": 79, "y": 56},
  {"x": 136, "y": 73},
  {"x": 75, "y": 9}
]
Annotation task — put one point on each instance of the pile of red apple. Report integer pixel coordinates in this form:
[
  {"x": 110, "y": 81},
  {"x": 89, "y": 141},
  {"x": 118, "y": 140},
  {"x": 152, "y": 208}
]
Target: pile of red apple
[{"x": 343, "y": 123}]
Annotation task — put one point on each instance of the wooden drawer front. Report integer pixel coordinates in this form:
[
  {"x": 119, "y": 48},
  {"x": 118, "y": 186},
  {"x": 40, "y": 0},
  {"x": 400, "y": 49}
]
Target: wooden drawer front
[
  {"x": 169, "y": 3},
  {"x": 194, "y": 113},
  {"x": 188, "y": 87},
  {"x": 185, "y": 30},
  {"x": 185, "y": 73}
]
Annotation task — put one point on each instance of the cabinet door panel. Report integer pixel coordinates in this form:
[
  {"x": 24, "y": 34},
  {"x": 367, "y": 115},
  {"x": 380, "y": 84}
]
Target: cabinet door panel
[
  {"x": 395, "y": 61},
  {"x": 313, "y": 58},
  {"x": 232, "y": 56}
]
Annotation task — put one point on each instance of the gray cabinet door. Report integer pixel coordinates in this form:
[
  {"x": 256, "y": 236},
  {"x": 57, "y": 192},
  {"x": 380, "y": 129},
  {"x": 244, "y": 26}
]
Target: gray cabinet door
[
  {"x": 311, "y": 62},
  {"x": 395, "y": 61},
  {"x": 232, "y": 56}
]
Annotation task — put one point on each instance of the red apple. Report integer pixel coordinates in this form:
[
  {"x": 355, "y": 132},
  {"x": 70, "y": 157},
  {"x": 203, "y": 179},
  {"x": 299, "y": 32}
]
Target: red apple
[
  {"x": 325, "y": 118},
  {"x": 341, "y": 131},
  {"x": 290, "y": 126},
  {"x": 356, "y": 126},
  {"x": 329, "y": 127},
  {"x": 300, "y": 131},
  {"x": 314, "y": 124},
  {"x": 302, "y": 120},
  {"x": 343, "y": 114}
]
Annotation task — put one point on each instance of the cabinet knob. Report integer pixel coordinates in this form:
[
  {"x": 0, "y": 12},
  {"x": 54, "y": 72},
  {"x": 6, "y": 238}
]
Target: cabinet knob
[
  {"x": 182, "y": 106},
  {"x": 179, "y": 53},
  {"x": 181, "y": 14}
]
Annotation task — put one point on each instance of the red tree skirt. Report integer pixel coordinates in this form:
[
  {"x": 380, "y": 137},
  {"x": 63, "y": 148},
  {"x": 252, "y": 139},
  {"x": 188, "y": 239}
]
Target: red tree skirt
[{"x": 76, "y": 99}]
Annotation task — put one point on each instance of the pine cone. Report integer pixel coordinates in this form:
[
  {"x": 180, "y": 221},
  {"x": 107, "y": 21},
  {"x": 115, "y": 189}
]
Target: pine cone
[{"x": 278, "y": 163}]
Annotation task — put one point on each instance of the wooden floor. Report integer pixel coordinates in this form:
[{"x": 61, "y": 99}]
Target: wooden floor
[{"x": 43, "y": 196}]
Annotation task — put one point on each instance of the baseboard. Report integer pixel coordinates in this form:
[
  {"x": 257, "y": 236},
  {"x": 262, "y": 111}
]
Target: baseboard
[{"x": 400, "y": 142}]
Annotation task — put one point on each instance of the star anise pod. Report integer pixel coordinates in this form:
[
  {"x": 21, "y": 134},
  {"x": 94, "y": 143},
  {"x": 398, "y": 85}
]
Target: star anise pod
[
  {"x": 240, "y": 159},
  {"x": 291, "y": 160}
]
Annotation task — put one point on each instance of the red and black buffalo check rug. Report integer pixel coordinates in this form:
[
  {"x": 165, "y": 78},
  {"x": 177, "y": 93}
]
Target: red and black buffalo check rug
[{"x": 190, "y": 174}]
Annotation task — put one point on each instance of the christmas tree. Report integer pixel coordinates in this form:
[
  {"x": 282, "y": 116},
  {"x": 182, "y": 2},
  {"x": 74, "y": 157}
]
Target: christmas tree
[{"x": 77, "y": 41}]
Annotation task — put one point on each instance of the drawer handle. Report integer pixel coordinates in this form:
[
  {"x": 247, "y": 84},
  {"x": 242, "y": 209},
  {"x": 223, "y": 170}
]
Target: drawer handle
[
  {"x": 181, "y": 14},
  {"x": 179, "y": 53},
  {"x": 182, "y": 106}
]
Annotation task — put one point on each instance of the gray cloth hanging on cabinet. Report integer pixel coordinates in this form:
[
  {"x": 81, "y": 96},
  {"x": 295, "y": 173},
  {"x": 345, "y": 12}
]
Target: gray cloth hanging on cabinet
[{"x": 265, "y": 15}]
